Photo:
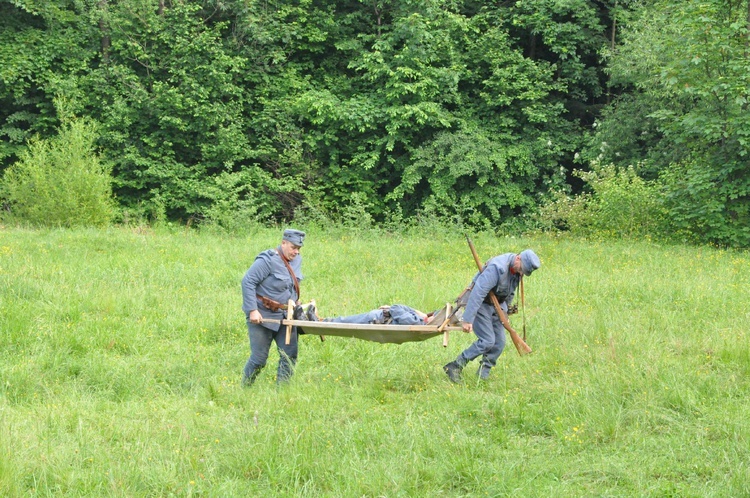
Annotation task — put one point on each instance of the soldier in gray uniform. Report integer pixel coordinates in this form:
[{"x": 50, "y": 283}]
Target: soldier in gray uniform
[
  {"x": 272, "y": 280},
  {"x": 501, "y": 274}
]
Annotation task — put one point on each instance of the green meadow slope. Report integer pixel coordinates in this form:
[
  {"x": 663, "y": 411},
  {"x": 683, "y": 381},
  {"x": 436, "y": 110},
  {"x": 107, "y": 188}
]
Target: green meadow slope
[{"x": 121, "y": 352}]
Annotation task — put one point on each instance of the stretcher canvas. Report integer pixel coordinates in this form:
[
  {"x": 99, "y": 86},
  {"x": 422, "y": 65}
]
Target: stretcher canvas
[{"x": 385, "y": 334}]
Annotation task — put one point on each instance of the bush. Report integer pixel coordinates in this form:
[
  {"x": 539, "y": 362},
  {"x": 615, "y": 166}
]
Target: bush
[
  {"x": 60, "y": 181},
  {"x": 234, "y": 205},
  {"x": 619, "y": 204},
  {"x": 708, "y": 199}
]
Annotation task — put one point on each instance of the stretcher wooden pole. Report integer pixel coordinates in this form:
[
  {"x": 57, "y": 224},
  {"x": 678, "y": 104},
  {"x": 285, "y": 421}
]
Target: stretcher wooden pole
[
  {"x": 445, "y": 324},
  {"x": 322, "y": 337},
  {"x": 289, "y": 316}
]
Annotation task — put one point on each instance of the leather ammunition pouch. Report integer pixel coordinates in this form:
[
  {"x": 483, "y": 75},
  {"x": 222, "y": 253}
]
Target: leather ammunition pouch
[{"x": 270, "y": 303}]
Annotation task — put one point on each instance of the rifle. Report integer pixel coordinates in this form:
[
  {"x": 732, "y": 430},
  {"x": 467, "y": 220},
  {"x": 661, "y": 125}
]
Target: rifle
[
  {"x": 520, "y": 345},
  {"x": 460, "y": 303}
]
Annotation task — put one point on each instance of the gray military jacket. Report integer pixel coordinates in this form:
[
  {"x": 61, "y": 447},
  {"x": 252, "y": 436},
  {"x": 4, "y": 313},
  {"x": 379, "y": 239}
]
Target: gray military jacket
[
  {"x": 496, "y": 276},
  {"x": 269, "y": 277}
]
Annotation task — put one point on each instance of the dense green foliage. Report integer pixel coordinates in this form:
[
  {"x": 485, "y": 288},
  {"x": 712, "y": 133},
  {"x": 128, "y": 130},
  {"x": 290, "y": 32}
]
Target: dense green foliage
[
  {"x": 121, "y": 352},
  {"x": 60, "y": 181},
  {"x": 686, "y": 116},
  {"x": 619, "y": 204},
  {"x": 473, "y": 112},
  {"x": 396, "y": 107}
]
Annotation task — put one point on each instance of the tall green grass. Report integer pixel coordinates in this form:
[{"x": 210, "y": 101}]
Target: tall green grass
[{"x": 121, "y": 352}]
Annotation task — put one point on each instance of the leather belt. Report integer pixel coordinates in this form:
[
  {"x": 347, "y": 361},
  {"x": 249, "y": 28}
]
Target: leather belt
[{"x": 270, "y": 303}]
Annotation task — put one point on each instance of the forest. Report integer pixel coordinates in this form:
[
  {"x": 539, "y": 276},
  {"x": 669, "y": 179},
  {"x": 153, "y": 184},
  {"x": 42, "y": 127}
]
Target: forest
[{"x": 609, "y": 117}]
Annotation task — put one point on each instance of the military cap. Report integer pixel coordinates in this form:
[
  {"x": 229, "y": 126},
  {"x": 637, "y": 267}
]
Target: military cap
[
  {"x": 294, "y": 236},
  {"x": 529, "y": 262}
]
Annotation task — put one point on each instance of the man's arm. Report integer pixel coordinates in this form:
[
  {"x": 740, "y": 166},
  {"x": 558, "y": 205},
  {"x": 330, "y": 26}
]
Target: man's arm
[
  {"x": 259, "y": 270},
  {"x": 486, "y": 281}
]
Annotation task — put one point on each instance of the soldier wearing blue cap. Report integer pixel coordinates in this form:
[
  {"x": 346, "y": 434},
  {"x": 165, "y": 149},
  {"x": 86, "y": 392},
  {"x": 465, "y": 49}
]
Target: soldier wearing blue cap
[
  {"x": 272, "y": 280},
  {"x": 501, "y": 275}
]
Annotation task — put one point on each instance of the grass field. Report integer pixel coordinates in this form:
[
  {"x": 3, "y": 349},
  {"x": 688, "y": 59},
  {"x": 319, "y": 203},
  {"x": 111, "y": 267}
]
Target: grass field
[{"x": 121, "y": 352}]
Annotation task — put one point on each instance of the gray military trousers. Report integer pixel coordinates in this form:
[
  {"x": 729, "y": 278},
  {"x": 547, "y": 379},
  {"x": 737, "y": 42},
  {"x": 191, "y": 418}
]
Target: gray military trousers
[
  {"x": 490, "y": 338},
  {"x": 260, "y": 345}
]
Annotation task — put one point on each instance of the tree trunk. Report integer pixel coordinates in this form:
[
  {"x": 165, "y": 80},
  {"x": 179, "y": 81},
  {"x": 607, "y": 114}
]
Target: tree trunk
[
  {"x": 532, "y": 46},
  {"x": 612, "y": 47},
  {"x": 378, "y": 14},
  {"x": 104, "y": 29}
]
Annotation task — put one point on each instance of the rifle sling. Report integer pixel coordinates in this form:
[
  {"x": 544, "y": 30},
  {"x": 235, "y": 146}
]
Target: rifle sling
[
  {"x": 523, "y": 310},
  {"x": 291, "y": 273}
]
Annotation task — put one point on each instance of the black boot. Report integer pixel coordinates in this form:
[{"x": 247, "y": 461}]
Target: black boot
[
  {"x": 312, "y": 312},
  {"x": 247, "y": 380},
  {"x": 453, "y": 370},
  {"x": 483, "y": 372},
  {"x": 307, "y": 312}
]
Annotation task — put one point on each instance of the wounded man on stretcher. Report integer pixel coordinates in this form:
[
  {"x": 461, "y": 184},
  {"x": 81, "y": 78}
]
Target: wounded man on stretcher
[
  {"x": 394, "y": 314},
  {"x": 394, "y": 324}
]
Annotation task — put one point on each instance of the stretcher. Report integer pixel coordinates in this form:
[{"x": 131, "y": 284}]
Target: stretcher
[{"x": 442, "y": 323}]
